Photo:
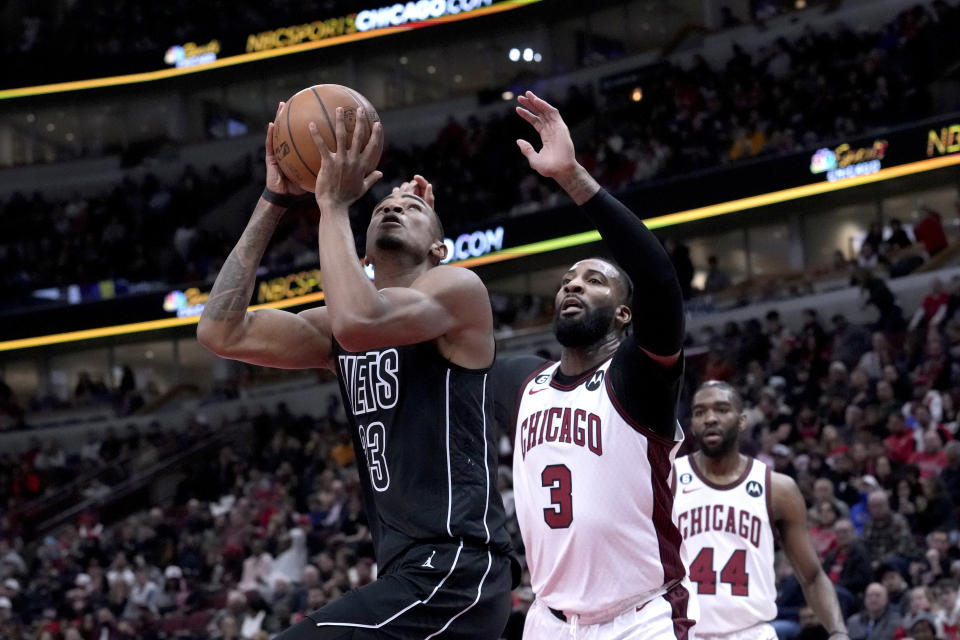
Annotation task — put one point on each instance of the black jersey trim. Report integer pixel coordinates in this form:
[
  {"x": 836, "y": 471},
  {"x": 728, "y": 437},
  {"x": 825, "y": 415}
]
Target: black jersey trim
[
  {"x": 645, "y": 431},
  {"x": 580, "y": 379}
]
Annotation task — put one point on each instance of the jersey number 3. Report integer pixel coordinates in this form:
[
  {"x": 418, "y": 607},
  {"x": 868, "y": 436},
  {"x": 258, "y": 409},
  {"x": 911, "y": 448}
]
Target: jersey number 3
[
  {"x": 373, "y": 437},
  {"x": 733, "y": 573},
  {"x": 559, "y": 514}
]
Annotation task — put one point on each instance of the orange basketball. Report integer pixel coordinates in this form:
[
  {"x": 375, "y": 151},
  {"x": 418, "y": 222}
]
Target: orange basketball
[{"x": 293, "y": 145}]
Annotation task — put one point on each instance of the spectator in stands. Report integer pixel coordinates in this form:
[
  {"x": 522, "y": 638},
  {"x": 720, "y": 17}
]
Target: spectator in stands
[
  {"x": 929, "y": 231},
  {"x": 924, "y": 627},
  {"x": 780, "y": 338},
  {"x": 898, "y": 237},
  {"x": 848, "y": 565},
  {"x": 717, "y": 279},
  {"x": 898, "y": 591},
  {"x": 879, "y": 295},
  {"x": 878, "y": 620},
  {"x": 886, "y": 534},
  {"x": 822, "y": 534},
  {"x": 880, "y": 355},
  {"x": 848, "y": 341},
  {"x": 932, "y": 459},
  {"x": 941, "y": 554},
  {"x": 950, "y": 474},
  {"x": 920, "y": 608}
]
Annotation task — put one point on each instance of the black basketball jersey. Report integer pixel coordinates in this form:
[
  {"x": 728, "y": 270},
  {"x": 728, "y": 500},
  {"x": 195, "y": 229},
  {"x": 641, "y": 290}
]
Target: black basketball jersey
[{"x": 424, "y": 436}]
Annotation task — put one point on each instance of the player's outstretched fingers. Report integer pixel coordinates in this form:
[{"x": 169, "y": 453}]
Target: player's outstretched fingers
[
  {"x": 530, "y": 117},
  {"x": 340, "y": 131},
  {"x": 527, "y": 150},
  {"x": 374, "y": 147},
  {"x": 542, "y": 106},
  {"x": 268, "y": 143},
  {"x": 361, "y": 132},
  {"x": 325, "y": 154}
]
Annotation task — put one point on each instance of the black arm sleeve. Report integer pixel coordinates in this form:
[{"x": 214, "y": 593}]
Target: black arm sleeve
[
  {"x": 647, "y": 391},
  {"x": 658, "y": 321}
]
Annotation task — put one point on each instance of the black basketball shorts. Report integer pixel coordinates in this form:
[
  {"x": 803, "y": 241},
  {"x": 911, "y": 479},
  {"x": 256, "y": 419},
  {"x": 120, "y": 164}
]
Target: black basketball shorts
[{"x": 446, "y": 590}]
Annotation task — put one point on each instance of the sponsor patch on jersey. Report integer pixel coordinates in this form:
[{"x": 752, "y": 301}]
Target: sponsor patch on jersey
[
  {"x": 543, "y": 378},
  {"x": 754, "y": 489},
  {"x": 686, "y": 478},
  {"x": 595, "y": 381}
]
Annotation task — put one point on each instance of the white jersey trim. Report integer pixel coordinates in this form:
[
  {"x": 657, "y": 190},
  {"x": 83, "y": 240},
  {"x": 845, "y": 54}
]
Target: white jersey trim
[
  {"x": 449, "y": 476},
  {"x": 378, "y": 625},
  {"x": 486, "y": 464},
  {"x": 469, "y": 606}
]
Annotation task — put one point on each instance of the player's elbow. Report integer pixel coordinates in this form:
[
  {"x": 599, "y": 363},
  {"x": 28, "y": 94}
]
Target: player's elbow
[{"x": 213, "y": 337}]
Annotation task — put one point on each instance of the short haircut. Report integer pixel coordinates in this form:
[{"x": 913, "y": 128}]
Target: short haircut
[{"x": 735, "y": 398}]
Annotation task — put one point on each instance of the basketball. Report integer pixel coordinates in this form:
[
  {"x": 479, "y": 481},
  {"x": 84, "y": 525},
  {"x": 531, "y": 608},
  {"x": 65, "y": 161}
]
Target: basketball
[{"x": 293, "y": 145}]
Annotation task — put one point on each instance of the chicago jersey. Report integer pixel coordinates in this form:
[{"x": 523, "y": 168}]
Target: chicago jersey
[
  {"x": 593, "y": 496},
  {"x": 728, "y": 545},
  {"x": 425, "y": 448}
]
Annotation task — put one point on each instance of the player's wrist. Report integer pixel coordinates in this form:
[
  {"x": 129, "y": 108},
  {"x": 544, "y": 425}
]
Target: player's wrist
[
  {"x": 286, "y": 200},
  {"x": 839, "y": 633}
]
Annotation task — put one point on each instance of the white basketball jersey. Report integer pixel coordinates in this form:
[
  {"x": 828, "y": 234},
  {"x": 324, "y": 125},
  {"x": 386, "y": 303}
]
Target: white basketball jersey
[
  {"x": 593, "y": 497},
  {"x": 728, "y": 546}
]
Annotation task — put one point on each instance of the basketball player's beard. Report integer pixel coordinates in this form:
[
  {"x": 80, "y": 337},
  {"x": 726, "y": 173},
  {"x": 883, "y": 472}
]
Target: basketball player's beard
[
  {"x": 584, "y": 331},
  {"x": 729, "y": 442}
]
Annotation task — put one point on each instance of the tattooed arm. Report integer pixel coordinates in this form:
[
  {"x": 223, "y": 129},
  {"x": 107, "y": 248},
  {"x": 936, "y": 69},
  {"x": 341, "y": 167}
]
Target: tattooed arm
[{"x": 268, "y": 337}]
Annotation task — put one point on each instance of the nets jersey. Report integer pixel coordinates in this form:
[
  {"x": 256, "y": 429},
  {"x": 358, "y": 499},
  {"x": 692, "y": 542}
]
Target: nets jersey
[
  {"x": 593, "y": 496},
  {"x": 728, "y": 545},
  {"x": 425, "y": 448}
]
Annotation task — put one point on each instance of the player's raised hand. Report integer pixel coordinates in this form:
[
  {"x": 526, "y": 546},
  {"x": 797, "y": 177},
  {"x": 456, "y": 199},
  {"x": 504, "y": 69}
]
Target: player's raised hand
[
  {"x": 556, "y": 157},
  {"x": 276, "y": 181},
  {"x": 343, "y": 177},
  {"x": 420, "y": 187}
]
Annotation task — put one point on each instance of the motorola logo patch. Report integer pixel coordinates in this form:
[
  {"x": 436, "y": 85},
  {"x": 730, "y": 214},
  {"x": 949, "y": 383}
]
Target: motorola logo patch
[{"x": 595, "y": 381}]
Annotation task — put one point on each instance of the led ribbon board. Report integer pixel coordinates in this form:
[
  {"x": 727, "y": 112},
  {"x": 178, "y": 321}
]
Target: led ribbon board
[{"x": 370, "y": 23}]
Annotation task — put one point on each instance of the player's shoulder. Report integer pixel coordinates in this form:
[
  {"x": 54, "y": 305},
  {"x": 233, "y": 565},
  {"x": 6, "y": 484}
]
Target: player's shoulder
[
  {"x": 785, "y": 496},
  {"x": 452, "y": 271},
  {"x": 450, "y": 279}
]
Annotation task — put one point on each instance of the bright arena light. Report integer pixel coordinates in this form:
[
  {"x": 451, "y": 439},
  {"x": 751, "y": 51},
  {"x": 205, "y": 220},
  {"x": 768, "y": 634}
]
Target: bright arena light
[
  {"x": 528, "y": 54},
  {"x": 514, "y": 54},
  {"x": 507, "y": 95}
]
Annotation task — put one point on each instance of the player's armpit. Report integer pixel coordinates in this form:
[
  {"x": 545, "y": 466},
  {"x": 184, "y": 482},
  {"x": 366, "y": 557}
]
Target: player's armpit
[
  {"x": 446, "y": 303},
  {"x": 274, "y": 338}
]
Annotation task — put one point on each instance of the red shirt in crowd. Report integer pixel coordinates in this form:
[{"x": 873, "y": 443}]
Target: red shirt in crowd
[
  {"x": 930, "y": 464},
  {"x": 929, "y": 232},
  {"x": 900, "y": 447}
]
